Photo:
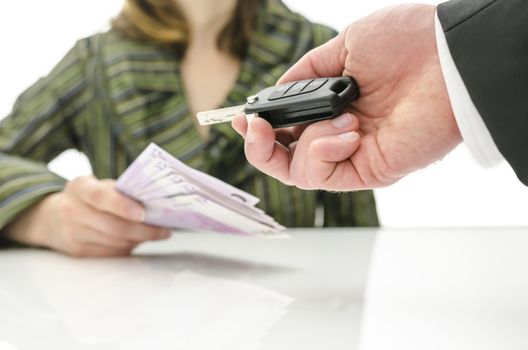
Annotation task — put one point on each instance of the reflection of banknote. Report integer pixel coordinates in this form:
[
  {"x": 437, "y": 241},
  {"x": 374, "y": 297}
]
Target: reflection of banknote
[{"x": 178, "y": 196}]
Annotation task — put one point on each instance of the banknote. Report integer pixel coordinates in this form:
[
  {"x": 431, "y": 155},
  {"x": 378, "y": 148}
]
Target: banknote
[{"x": 180, "y": 197}]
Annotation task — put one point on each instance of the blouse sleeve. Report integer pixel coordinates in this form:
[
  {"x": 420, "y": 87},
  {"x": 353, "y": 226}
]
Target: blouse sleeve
[{"x": 46, "y": 120}]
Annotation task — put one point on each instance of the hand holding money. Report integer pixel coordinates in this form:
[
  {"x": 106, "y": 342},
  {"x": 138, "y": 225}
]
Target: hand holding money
[
  {"x": 88, "y": 218},
  {"x": 92, "y": 217}
]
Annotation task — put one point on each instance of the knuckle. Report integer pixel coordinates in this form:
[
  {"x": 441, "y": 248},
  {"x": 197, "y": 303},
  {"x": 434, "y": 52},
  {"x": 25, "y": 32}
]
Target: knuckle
[
  {"x": 97, "y": 195},
  {"x": 310, "y": 131},
  {"x": 313, "y": 146},
  {"x": 317, "y": 149},
  {"x": 66, "y": 209},
  {"x": 77, "y": 183}
]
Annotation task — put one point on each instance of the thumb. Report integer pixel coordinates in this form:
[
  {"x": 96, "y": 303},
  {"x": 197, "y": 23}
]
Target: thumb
[
  {"x": 327, "y": 60},
  {"x": 328, "y": 163}
]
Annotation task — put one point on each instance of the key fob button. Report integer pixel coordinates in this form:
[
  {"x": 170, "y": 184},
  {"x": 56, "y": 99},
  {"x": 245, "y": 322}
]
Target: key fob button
[
  {"x": 297, "y": 88},
  {"x": 314, "y": 85},
  {"x": 280, "y": 91},
  {"x": 252, "y": 99}
]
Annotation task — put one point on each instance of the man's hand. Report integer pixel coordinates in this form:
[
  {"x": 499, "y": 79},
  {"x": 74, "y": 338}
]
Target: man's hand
[
  {"x": 88, "y": 218},
  {"x": 403, "y": 116}
]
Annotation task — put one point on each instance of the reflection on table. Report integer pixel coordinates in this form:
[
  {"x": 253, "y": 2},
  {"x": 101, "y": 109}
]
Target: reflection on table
[
  {"x": 198, "y": 291},
  {"x": 427, "y": 289}
]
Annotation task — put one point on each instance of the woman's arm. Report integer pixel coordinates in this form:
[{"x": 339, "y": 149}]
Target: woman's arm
[
  {"x": 40, "y": 126},
  {"x": 84, "y": 217}
]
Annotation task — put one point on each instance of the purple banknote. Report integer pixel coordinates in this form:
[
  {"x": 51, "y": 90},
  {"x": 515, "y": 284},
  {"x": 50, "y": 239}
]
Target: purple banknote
[{"x": 178, "y": 196}]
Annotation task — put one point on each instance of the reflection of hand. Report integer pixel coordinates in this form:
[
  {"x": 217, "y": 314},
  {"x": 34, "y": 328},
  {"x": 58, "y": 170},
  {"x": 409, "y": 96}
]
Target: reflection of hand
[
  {"x": 405, "y": 118},
  {"x": 88, "y": 218}
]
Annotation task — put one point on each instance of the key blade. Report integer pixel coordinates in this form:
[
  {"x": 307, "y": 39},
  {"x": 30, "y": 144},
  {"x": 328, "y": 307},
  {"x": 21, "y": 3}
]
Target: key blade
[{"x": 219, "y": 115}]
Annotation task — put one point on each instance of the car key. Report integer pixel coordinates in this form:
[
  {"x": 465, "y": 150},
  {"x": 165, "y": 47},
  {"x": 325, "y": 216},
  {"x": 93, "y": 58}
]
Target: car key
[{"x": 292, "y": 103}]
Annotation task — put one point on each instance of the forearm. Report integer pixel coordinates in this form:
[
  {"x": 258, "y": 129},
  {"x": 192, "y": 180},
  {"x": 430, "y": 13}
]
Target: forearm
[
  {"x": 22, "y": 185},
  {"x": 486, "y": 42},
  {"x": 30, "y": 227},
  {"x": 40, "y": 126}
]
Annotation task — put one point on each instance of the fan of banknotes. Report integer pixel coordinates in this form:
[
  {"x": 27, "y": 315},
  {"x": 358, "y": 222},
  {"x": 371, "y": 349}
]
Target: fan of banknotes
[{"x": 178, "y": 196}]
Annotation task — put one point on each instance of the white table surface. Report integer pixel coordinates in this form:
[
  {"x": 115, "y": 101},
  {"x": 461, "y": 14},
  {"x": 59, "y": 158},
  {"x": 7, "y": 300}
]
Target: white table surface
[{"x": 427, "y": 289}]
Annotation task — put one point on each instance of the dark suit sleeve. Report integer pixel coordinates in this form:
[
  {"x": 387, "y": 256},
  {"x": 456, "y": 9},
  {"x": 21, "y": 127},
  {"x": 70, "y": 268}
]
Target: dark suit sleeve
[{"x": 488, "y": 40}]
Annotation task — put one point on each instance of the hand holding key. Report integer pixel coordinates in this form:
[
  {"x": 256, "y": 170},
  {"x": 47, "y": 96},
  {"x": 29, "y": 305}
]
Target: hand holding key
[
  {"x": 295, "y": 103},
  {"x": 403, "y": 113},
  {"x": 292, "y": 154}
]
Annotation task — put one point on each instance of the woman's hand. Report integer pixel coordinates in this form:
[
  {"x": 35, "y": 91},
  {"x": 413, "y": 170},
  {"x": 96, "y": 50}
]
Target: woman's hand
[{"x": 88, "y": 218}]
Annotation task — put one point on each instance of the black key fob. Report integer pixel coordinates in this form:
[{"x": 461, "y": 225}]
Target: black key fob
[{"x": 303, "y": 101}]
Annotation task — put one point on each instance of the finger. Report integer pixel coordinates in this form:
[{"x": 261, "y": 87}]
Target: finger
[
  {"x": 76, "y": 213},
  {"x": 267, "y": 155},
  {"x": 90, "y": 250},
  {"x": 327, "y": 60},
  {"x": 333, "y": 127},
  {"x": 339, "y": 125},
  {"x": 239, "y": 123},
  {"x": 135, "y": 232},
  {"x": 103, "y": 196},
  {"x": 328, "y": 161},
  {"x": 84, "y": 234},
  {"x": 122, "y": 229}
]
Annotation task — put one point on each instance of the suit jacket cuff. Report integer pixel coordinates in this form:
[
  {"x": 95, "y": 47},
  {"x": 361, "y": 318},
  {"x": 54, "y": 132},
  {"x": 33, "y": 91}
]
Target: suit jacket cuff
[{"x": 474, "y": 132}]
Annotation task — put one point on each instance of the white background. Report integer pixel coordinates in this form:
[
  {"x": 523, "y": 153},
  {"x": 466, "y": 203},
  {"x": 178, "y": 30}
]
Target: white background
[{"x": 35, "y": 34}]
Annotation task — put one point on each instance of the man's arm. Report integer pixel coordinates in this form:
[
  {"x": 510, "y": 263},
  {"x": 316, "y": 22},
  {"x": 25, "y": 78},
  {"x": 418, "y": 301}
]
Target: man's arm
[{"x": 488, "y": 42}]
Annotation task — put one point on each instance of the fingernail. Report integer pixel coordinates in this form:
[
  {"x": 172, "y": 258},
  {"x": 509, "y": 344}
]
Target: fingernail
[
  {"x": 349, "y": 136},
  {"x": 250, "y": 136},
  {"x": 137, "y": 213},
  {"x": 343, "y": 121}
]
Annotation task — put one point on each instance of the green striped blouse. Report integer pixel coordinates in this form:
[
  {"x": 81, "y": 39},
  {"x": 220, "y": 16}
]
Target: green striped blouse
[{"x": 110, "y": 97}]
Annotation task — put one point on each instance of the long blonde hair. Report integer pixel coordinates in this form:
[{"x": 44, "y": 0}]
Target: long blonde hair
[{"x": 162, "y": 22}]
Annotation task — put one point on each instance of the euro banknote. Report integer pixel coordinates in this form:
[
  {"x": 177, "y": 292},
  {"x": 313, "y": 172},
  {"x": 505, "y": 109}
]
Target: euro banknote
[{"x": 180, "y": 197}]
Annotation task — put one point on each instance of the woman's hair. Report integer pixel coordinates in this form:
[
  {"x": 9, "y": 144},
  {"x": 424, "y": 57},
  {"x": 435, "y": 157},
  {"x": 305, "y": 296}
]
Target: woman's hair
[{"x": 162, "y": 22}]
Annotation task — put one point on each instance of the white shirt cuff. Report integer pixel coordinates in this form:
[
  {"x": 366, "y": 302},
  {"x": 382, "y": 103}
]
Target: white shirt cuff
[{"x": 474, "y": 132}]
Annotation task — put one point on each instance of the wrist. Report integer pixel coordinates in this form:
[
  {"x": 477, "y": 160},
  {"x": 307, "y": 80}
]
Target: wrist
[{"x": 34, "y": 225}]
